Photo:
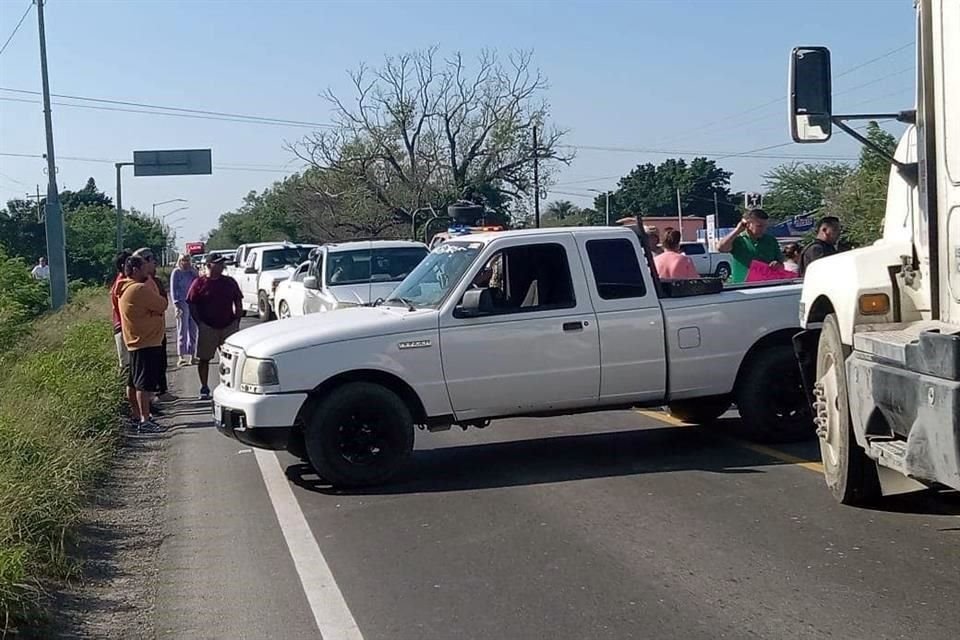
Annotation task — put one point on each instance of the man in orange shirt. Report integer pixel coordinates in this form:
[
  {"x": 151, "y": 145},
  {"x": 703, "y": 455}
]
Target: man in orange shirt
[
  {"x": 671, "y": 264},
  {"x": 142, "y": 310}
]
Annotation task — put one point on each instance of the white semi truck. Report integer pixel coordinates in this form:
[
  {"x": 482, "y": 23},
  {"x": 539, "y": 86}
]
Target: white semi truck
[{"x": 880, "y": 350}]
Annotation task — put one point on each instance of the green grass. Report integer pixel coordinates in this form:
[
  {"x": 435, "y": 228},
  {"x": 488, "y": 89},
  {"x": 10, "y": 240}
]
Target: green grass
[{"x": 60, "y": 396}]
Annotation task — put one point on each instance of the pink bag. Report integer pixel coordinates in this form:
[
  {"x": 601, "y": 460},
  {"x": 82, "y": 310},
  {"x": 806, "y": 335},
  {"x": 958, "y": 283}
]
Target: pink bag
[{"x": 761, "y": 272}]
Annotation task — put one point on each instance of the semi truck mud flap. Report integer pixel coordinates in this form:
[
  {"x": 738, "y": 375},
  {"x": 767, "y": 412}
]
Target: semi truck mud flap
[{"x": 805, "y": 346}]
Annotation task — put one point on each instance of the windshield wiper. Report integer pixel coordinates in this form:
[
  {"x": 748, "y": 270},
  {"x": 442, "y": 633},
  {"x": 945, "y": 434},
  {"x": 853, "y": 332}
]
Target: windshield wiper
[{"x": 410, "y": 305}]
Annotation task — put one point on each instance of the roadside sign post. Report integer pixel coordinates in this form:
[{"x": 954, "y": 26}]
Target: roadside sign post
[{"x": 162, "y": 162}]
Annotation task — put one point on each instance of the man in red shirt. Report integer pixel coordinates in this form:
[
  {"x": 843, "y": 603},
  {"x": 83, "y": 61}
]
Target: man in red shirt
[{"x": 216, "y": 302}]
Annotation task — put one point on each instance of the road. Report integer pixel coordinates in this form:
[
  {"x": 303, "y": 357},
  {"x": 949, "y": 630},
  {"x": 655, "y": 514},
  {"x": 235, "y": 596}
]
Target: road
[{"x": 615, "y": 525}]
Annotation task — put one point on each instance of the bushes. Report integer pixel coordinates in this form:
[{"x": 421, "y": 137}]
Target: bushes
[
  {"x": 21, "y": 299},
  {"x": 60, "y": 396}
]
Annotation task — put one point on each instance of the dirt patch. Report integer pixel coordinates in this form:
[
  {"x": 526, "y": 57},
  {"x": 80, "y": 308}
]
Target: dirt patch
[{"x": 114, "y": 595}]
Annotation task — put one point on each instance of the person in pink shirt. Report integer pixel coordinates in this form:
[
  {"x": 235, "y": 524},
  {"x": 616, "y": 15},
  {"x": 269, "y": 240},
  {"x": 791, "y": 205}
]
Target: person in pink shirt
[{"x": 671, "y": 264}]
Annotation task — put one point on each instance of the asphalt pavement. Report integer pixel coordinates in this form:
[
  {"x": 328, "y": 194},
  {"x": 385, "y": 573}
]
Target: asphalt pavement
[{"x": 611, "y": 525}]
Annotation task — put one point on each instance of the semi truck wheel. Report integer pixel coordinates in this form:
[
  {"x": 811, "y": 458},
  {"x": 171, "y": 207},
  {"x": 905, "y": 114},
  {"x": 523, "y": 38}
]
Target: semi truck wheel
[
  {"x": 770, "y": 397},
  {"x": 850, "y": 474},
  {"x": 264, "y": 312},
  {"x": 699, "y": 411},
  {"x": 361, "y": 434}
]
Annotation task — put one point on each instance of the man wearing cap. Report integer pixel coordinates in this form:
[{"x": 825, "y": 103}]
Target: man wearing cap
[{"x": 216, "y": 303}]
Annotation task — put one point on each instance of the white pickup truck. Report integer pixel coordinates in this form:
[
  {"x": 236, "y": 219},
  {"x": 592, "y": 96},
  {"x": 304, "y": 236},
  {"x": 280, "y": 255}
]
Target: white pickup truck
[
  {"x": 259, "y": 268},
  {"x": 518, "y": 323},
  {"x": 708, "y": 263},
  {"x": 347, "y": 274}
]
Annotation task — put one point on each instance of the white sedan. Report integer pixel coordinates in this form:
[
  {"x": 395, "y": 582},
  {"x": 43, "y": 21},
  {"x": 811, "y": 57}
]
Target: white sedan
[{"x": 347, "y": 274}]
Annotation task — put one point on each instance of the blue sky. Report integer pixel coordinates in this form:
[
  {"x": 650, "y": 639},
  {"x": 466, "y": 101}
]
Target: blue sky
[{"x": 642, "y": 75}]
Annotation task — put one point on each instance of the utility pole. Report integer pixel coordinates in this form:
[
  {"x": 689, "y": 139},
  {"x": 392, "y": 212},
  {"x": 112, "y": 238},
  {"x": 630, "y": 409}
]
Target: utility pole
[
  {"x": 679, "y": 215},
  {"x": 120, "y": 165},
  {"x": 38, "y": 198},
  {"x": 608, "y": 207},
  {"x": 716, "y": 208},
  {"x": 56, "y": 249},
  {"x": 536, "y": 179}
]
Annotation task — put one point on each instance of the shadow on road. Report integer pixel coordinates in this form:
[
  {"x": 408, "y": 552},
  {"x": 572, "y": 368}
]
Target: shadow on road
[{"x": 558, "y": 459}]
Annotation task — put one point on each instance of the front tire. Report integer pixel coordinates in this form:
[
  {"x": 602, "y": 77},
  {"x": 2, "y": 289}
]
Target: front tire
[
  {"x": 264, "y": 312},
  {"x": 284, "y": 310},
  {"x": 849, "y": 473},
  {"x": 360, "y": 435},
  {"x": 723, "y": 271},
  {"x": 770, "y": 397},
  {"x": 699, "y": 411}
]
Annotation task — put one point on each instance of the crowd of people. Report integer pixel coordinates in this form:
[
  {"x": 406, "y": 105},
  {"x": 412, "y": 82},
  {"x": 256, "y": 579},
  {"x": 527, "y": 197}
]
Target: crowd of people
[
  {"x": 748, "y": 243},
  {"x": 208, "y": 308}
]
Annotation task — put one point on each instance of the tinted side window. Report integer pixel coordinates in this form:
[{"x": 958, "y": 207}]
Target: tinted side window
[
  {"x": 693, "y": 249},
  {"x": 616, "y": 269}
]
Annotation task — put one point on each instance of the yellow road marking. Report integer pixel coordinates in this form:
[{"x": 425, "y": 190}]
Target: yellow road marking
[{"x": 783, "y": 456}]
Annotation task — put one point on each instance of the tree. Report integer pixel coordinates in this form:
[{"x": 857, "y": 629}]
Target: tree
[
  {"x": 561, "y": 209},
  {"x": 797, "y": 188},
  {"x": 652, "y": 190},
  {"x": 90, "y": 227},
  {"x": 421, "y": 132},
  {"x": 860, "y": 202}
]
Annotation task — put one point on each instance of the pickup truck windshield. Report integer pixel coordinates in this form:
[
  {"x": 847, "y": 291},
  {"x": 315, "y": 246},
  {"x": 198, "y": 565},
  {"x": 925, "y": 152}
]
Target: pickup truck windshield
[
  {"x": 286, "y": 257},
  {"x": 429, "y": 284}
]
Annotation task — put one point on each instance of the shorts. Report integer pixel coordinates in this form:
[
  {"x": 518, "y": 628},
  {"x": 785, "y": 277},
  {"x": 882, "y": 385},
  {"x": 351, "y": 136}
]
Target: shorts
[
  {"x": 146, "y": 369},
  {"x": 123, "y": 356},
  {"x": 210, "y": 338}
]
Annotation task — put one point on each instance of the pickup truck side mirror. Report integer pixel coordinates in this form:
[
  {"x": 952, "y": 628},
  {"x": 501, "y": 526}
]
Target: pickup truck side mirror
[
  {"x": 475, "y": 303},
  {"x": 250, "y": 270},
  {"x": 311, "y": 282}
]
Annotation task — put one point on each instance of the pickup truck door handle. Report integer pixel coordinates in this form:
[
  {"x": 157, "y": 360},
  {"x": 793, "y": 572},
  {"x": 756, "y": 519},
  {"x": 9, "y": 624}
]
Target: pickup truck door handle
[{"x": 573, "y": 326}]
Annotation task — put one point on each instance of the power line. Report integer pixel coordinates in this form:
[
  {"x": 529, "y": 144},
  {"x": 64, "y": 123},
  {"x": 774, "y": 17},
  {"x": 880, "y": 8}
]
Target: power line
[
  {"x": 150, "y": 109},
  {"x": 16, "y": 28},
  {"x": 784, "y": 98}
]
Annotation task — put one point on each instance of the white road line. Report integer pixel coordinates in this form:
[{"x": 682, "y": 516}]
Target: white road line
[{"x": 330, "y": 610}]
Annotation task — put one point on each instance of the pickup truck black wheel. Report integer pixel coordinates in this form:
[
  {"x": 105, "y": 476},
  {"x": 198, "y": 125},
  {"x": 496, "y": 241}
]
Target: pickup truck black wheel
[
  {"x": 360, "y": 434},
  {"x": 723, "y": 271},
  {"x": 770, "y": 397},
  {"x": 700, "y": 411},
  {"x": 850, "y": 474},
  {"x": 264, "y": 312}
]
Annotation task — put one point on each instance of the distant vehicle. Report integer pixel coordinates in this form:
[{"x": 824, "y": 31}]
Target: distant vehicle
[
  {"x": 708, "y": 263},
  {"x": 195, "y": 248},
  {"x": 264, "y": 267},
  {"x": 347, "y": 275},
  {"x": 458, "y": 231}
]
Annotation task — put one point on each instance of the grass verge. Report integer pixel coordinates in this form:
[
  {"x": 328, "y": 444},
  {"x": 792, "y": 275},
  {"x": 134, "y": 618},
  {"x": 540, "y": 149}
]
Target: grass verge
[{"x": 60, "y": 395}]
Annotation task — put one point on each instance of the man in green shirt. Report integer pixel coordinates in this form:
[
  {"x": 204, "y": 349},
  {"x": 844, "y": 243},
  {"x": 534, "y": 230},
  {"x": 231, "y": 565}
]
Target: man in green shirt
[{"x": 750, "y": 241}]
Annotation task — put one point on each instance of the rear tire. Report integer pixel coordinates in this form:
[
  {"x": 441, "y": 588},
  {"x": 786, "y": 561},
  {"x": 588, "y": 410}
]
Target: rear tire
[
  {"x": 849, "y": 473},
  {"x": 699, "y": 411},
  {"x": 264, "y": 312},
  {"x": 360, "y": 434},
  {"x": 770, "y": 397}
]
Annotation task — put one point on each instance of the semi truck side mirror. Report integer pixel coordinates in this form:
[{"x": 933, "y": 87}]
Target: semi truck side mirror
[{"x": 811, "y": 102}]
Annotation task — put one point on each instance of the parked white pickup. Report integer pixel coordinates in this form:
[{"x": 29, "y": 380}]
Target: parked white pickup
[
  {"x": 708, "y": 263},
  {"x": 347, "y": 275},
  {"x": 516, "y": 323}
]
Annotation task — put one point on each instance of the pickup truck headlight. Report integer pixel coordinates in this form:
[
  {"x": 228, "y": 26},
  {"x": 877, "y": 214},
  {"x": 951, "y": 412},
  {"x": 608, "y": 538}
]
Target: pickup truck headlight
[{"x": 258, "y": 374}]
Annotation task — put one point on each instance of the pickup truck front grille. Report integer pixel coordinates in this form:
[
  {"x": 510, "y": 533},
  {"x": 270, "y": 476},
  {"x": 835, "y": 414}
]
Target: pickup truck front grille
[{"x": 229, "y": 366}]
